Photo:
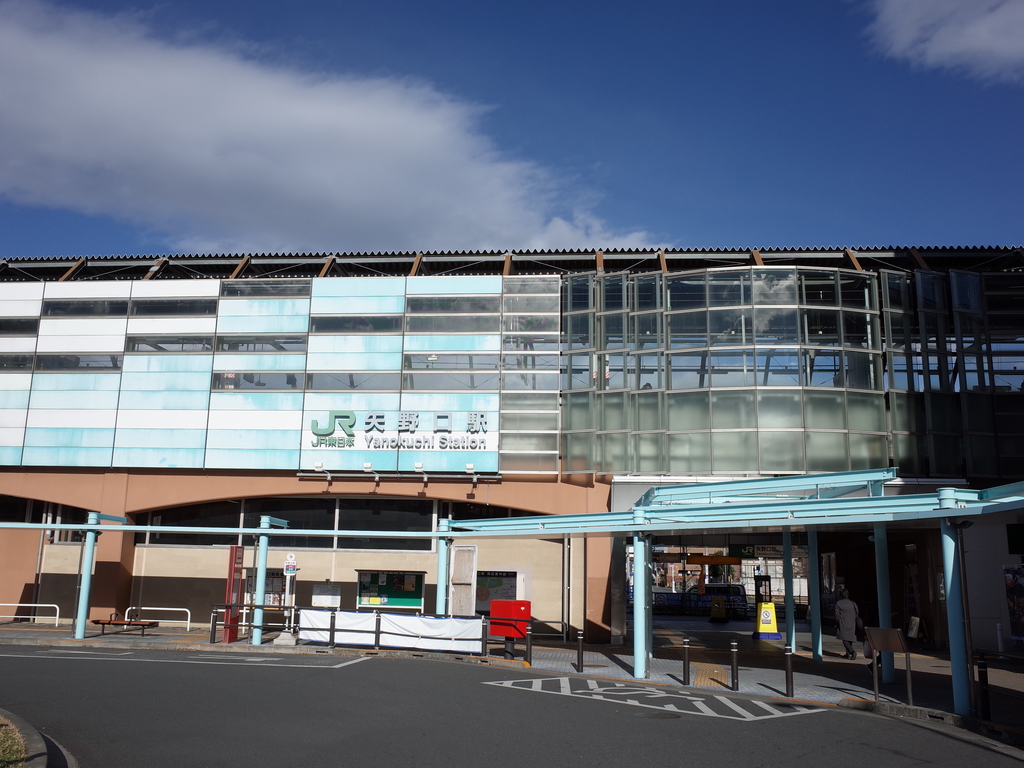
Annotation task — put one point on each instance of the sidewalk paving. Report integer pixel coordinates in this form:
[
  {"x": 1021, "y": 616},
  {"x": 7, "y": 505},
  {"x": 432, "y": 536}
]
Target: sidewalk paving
[{"x": 761, "y": 663}]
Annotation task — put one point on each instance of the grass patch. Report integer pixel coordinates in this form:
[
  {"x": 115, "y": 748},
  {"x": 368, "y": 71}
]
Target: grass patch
[{"x": 12, "y": 748}]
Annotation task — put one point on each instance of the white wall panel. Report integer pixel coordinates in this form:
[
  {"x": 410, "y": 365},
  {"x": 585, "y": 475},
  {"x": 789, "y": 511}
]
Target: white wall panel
[
  {"x": 13, "y": 417},
  {"x": 21, "y": 291},
  {"x": 92, "y": 289},
  {"x": 173, "y": 288},
  {"x": 180, "y": 326},
  {"x": 96, "y": 343},
  {"x": 28, "y": 308},
  {"x": 9, "y": 381},
  {"x": 153, "y": 419},
  {"x": 17, "y": 344},
  {"x": 256, "y": 420},
  {"x": 12, "y": 436},
  {"x": 72, "y": 419},
  {"x": 82, "y": 326}
]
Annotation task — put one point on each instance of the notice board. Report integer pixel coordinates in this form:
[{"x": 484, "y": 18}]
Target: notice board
[{"x": 390, "y": 589}]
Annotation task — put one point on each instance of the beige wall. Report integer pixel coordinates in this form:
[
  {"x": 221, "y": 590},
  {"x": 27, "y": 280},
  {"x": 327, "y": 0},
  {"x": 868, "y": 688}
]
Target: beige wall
[{"x": 193, "y": 577}]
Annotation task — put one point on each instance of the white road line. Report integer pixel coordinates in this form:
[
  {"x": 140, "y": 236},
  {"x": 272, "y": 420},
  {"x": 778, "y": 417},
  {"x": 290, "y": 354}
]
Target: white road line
[
  {"x": 90, "y": 653},
  {"x": 179, "y": 661},
  {"x": 352, "y": 661},
  {"x": 734, "y": 706}
]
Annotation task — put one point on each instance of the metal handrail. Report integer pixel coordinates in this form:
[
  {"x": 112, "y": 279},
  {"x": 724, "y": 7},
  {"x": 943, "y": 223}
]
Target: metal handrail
[
  {"x": 56, "y": 619},
  {"x": 188, "y": 614}
]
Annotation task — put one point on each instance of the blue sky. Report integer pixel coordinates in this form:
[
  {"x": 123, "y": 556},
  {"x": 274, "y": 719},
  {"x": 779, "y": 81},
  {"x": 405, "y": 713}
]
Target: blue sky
[{"x": 409, "y": 125}]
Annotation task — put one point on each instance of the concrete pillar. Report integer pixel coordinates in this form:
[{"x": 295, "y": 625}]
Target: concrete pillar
[
  {"x": 261, "y": 583},
  {"x": 88, "y": 558},
  {"x": 441, "y": 599},
  {"x": 814, "y": 592},
  {"x": 641, "y": 602},
  {"x": 955, "y": 619}
]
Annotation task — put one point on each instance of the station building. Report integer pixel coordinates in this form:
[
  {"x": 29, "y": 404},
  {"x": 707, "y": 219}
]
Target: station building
[{"x": 386, "y": 392}]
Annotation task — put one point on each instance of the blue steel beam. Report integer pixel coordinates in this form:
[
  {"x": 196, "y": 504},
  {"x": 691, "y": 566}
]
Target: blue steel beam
[
  {"x": 85, "y": 579},
  {"x": 823, "y": 482}
]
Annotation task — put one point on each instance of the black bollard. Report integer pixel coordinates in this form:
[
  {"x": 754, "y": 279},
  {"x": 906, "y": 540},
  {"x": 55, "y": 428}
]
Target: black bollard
[
  {"x": 735, "y": 653},
  {"x": 330, "y": 631},
  {"x": 686, "y": 661},
  {"x": 579, "y": 651},
  {"x": 213, "y": 628},
  {"x": 984, "y": 706},
  {"x": 789, "y": 672},
  {"x": 529, "y": 643}
]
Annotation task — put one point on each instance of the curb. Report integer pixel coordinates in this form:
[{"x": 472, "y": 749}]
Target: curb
[
  {"x": 1004, "y": 734},
  {"x": 38, "y": 756}
]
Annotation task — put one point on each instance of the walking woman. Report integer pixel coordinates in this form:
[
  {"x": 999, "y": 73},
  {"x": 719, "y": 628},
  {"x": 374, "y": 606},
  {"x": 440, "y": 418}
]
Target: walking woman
[{"x": 847, "y": 623}]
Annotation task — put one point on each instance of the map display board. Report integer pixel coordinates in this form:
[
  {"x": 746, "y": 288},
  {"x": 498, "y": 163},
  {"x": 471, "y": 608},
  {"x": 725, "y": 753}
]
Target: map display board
[{"x": 390, "y": 589}]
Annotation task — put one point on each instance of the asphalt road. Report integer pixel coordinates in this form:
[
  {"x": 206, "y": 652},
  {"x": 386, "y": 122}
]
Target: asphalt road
[{"x": 125, "y": 709}]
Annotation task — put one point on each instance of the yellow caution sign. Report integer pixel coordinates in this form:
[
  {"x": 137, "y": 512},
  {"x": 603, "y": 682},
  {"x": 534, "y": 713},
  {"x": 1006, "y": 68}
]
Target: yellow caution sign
[
  {"x": 767, "y": 627},
  {"x": 718, "y": 612}
]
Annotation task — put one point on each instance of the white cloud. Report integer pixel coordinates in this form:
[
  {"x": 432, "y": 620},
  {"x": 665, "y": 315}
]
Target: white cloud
[
  {"x": 984, "y": 38},
  {"x": 225, "y": 153}
]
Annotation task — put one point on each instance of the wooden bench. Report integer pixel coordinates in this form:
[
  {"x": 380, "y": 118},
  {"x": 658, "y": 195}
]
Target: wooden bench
[{"x": 126, "y": 624}]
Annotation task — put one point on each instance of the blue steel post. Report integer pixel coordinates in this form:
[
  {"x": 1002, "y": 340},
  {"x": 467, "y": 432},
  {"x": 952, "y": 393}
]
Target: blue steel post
[
  {"x": 88, "y": 555},
  {"x": 814, "y": 593},
  {"x": 261, "y": 583},
  {"x": 787, "y": 577},
  {"x": 884, "y": 604},
  {"x": 441, "y": 600},
  {"x": 954, "y": 609},
  {"x": 641, "y": 592}
]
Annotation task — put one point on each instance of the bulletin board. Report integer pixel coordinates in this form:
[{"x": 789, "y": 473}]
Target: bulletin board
[{"x": 390, "y": 589}]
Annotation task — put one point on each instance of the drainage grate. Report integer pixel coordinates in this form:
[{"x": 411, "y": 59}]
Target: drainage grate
[{"x": 656, "y": 715}]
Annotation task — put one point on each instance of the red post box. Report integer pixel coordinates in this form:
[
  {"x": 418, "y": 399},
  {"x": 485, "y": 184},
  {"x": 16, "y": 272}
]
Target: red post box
[{"x": 509, "y": 618}]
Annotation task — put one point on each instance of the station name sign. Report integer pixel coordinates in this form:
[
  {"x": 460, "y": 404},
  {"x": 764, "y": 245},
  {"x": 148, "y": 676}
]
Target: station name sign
[{"x": 404, "y": 430}]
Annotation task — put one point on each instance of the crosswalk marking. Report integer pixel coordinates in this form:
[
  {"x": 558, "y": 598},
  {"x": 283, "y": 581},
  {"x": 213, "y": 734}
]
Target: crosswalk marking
[{"x": 649, "y": 697}]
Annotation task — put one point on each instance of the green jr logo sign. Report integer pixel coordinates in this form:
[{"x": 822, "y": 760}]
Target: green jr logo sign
[{"x": 345, "y": 419}]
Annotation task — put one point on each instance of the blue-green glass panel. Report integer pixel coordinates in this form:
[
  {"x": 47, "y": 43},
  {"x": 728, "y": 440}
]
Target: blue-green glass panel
[
  {"x": 468, "y": 342},
  {"x": 171, "y": 458},
  {"x": 260, "y": 307},
  {"x": 358, "y": 286},
  {"x": 448, "y": 461},
  {"x": 259, "y": 363},
  {"x": 67, "y": 457},
  {"x": 17, "y": 398},
  {"x": 254, "y": 439},
  {"x": 231, "y": 459},
  {"x": 75, "y": 437},
  {"x": 358, "y": 305},
  {"x": 354, "y": 344},
  {"x": 351, "y": 460},
  {"x": 160, "y": 438},
  {"x": 10, "y": 456},
  {"x": 166, "y": 363},
  {"x": 80, "y": 381},
  {"x": 264, "y": 324}
]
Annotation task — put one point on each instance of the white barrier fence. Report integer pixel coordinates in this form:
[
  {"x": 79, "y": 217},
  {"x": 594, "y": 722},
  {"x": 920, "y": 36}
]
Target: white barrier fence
[
  {"x": 136, "y": 609},
  {"x": 56, "y": 619},
  {"x": 389, "y": 630}
]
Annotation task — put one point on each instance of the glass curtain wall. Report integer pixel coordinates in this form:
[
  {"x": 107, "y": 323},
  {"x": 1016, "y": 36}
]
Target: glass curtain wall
[{"x": 751, "y": 370}]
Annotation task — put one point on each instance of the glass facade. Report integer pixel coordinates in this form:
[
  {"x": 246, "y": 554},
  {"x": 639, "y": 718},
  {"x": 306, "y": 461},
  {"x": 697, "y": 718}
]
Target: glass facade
[
  {"x": 753, "y": 370},
  {"x": 717, "y": 370}
]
